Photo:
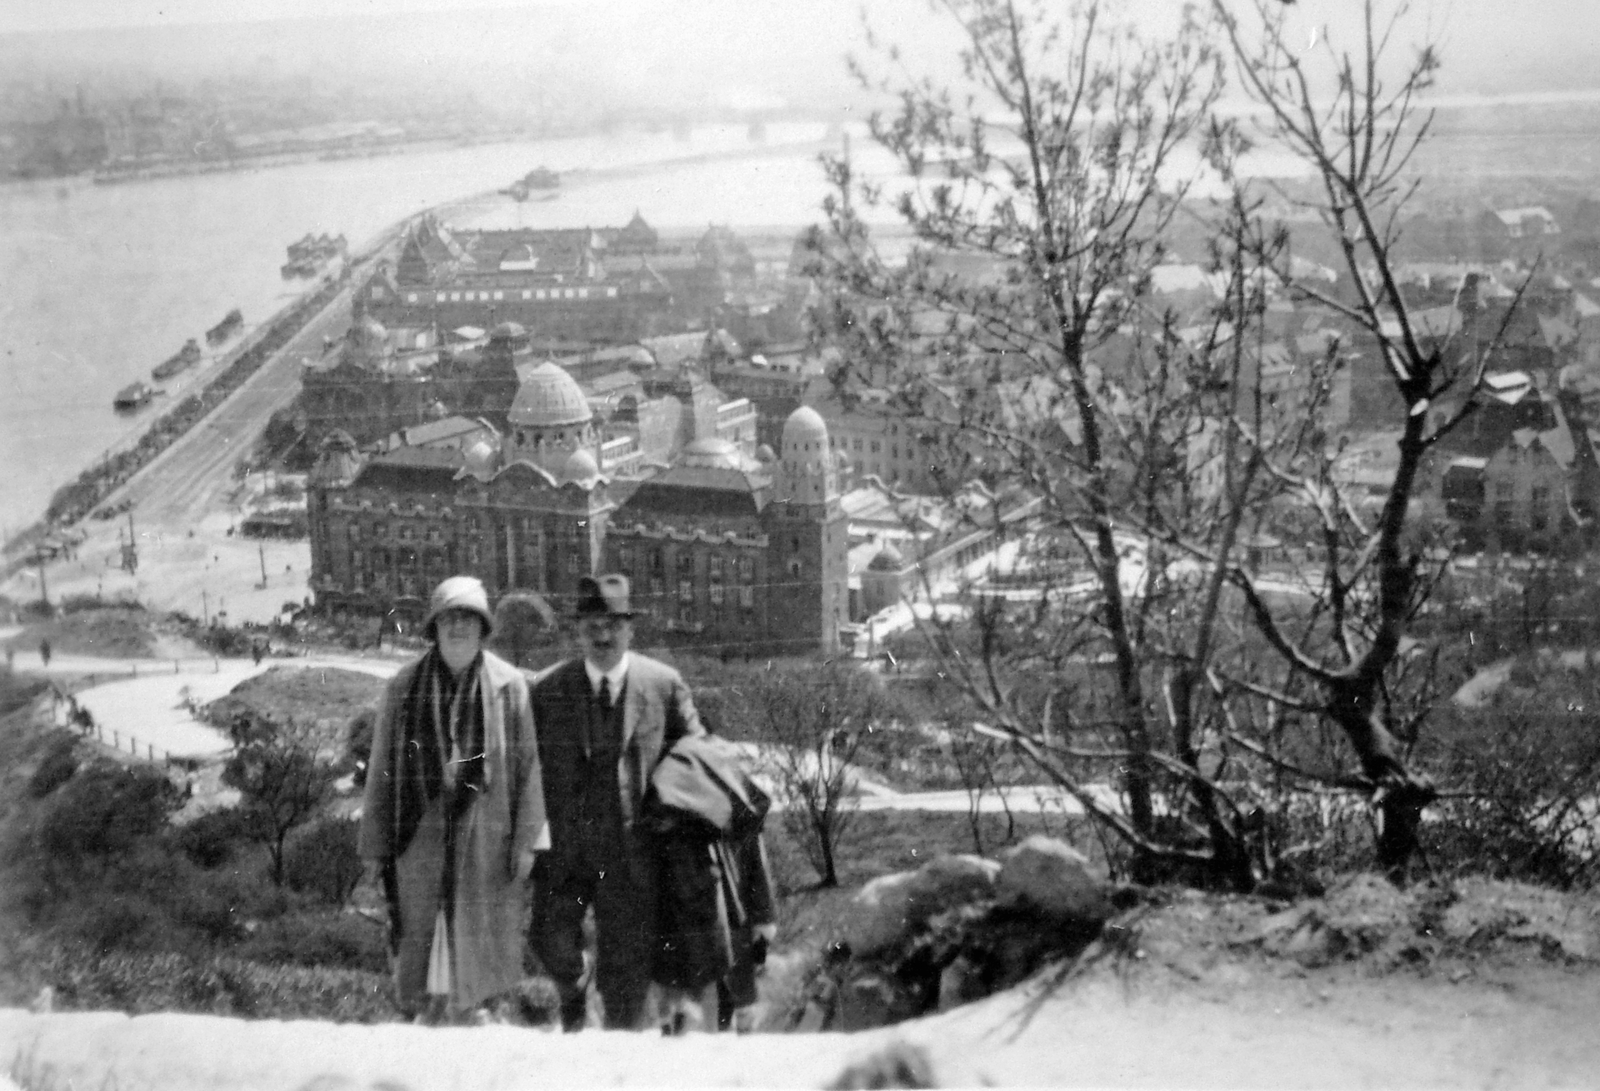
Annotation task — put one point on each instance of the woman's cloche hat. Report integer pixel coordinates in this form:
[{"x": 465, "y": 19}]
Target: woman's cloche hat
[{"x": 459, "y": 593}]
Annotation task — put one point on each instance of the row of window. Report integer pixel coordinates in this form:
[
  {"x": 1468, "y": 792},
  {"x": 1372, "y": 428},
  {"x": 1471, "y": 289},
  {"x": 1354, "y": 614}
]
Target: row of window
[
  {"x": 652, "y": 562},
  {"x": 873, "y": 446},
  {"x": 499, "y": 294},
  {"x": 528, "y": 525},
  {"x": 1506, "y": 490},
  {"x": 407, "y": 532},
  {"x": 1505, "y": 518}
]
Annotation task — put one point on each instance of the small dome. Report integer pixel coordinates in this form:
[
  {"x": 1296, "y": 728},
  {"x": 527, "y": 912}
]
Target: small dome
[
  {"x": 713, "y": 453},
  {"x": 887, "y": 560},
  {"x": 804, "y": 427},
  {"x": 580, "y": 468},
  {"x": 481, "y": 457},
  {"x": 338, "y": 460},
  {"x": 549, "y": 398},
  {"x": 765, "y": 453}
]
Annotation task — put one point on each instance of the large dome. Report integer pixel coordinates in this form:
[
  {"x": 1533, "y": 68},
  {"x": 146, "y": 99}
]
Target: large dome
[
  {"x": 549, "y": 398},
  {"x": 804, "y": 431}
]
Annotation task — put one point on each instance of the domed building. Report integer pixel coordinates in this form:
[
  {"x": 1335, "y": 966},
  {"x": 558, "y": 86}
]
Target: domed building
[
  {"x": 549, "y": 419},
  {"x": 727, "y": 553}
]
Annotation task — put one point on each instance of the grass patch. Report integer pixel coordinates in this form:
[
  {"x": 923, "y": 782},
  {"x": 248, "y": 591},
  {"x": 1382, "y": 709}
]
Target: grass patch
[
  {"x": 88, "y": 980},
  {"x": 114, "y": 632},
  {"x": 325, "y": 697}
]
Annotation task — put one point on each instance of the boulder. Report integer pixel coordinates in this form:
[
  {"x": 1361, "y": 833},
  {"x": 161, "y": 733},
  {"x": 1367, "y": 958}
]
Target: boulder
[
  {"x": 890, "y": 905},
  {"x": 1054, "y": 879}
]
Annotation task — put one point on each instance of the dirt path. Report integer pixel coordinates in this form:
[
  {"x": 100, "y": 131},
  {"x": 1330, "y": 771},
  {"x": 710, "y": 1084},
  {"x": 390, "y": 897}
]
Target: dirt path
[{"x": 1523, "y": 1026}]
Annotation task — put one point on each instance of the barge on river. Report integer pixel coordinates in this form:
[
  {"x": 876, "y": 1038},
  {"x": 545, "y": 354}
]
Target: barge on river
[
  {"x": 183, "y": 359},
  {"x": 133, "y": 396},
  {"x": 226, "y": 328}
]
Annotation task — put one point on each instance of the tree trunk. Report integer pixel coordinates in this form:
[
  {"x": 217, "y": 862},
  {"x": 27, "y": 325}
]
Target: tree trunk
[
  {"x": 1399, "y": 795},
  {"x": 1231, "y": 866}
]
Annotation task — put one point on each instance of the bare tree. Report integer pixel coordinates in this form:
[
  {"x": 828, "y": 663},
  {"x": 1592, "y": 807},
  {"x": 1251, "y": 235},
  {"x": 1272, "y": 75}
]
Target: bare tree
[
  {"x": 1052, "y": 167},
  {"x": 1192, "y": 670},
  {"x": 811, "y": 722},
  {"x": 282, "y": 774}
]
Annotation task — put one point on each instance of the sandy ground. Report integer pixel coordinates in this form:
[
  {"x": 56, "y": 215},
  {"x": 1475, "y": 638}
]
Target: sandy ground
[
  {"x": 202, "y": 570},
  {"x": 1108, "y": 1029}
]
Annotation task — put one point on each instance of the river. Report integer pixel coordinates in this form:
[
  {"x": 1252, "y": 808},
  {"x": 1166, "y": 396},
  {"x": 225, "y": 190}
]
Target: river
[{"x": 98, "y": 283}]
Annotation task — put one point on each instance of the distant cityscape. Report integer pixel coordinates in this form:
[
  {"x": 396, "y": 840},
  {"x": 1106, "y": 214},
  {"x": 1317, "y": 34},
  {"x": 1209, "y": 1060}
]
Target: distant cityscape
[{"x": 531, "y": 405}]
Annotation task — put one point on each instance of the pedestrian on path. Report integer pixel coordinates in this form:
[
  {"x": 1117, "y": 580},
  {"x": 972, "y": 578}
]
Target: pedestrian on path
[
  {"x": 44, "y": 652},
  {"x": 453, "y": 813}
]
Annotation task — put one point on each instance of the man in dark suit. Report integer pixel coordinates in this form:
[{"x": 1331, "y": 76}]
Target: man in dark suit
[{"x": 603, "y": 720}]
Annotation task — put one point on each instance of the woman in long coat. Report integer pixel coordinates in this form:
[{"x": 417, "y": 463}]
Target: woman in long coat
[{"x": 454, "y": 812}]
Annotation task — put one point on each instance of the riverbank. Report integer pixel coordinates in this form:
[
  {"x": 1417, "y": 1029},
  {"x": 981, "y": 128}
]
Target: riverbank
[{"x": 146, "y": 172}]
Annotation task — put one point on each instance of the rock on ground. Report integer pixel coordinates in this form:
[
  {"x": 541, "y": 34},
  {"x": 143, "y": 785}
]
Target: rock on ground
[
  {"x": 883, "y": 910},
  {"x": 1054, "y": 878}
]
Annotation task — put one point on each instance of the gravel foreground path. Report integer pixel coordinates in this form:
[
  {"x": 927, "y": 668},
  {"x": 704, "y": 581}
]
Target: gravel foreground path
[{"x": 1535, "y": 1029}]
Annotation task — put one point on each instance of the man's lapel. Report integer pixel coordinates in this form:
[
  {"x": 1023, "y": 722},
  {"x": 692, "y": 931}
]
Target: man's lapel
[{"x": 632, "y": 705}]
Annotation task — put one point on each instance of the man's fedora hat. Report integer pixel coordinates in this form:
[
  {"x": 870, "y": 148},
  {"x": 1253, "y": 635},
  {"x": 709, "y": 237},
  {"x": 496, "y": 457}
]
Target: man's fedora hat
[
  {"x": 459, "y": 593},
  {"x": 603, "y": 596}
]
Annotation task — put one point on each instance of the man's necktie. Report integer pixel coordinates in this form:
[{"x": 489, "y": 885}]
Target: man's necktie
[{"x": 605, "y": 694}]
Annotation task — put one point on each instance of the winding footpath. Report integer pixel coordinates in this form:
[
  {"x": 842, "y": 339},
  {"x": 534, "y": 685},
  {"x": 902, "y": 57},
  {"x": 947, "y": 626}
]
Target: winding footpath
[{"x": 143, "y": 707}]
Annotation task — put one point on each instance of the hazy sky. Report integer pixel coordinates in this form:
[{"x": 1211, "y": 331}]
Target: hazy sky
[{"x": 1488, "y": 45}]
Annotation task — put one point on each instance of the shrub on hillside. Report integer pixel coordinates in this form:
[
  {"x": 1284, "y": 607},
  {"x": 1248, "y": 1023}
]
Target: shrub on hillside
[
  {"x": 57, "y": 765},
  {"x": 223, "y": 641},
  {"x": 322, "y": 860},
  {"x": 104, "y": 809},
  {"x": 1522, "y": 778},
  {"x": 342, "y": 941},
  {"x": 356, "y": 748},
  {"x": 215, "y": 837}
]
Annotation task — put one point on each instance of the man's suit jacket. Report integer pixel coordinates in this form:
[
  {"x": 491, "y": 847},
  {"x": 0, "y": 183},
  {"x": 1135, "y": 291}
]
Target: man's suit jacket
[{"x": 657, "y": 711}]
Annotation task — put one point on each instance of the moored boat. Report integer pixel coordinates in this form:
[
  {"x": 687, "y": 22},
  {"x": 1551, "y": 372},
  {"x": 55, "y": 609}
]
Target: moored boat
[
  {"x": 226, "y": 328},
  {"x": 132, "y": 396},
  {"x": 310, "y": 253},
  {"x": 184, "y": 358}
]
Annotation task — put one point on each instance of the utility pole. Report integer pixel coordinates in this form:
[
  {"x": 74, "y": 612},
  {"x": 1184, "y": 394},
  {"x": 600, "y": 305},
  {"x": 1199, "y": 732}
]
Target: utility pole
[
  {"x": 44, "y": 591},
  {"x": 262, "y": 549},
  {"x": 205, "y": 610},
  {"x": 130, "y": 552}
]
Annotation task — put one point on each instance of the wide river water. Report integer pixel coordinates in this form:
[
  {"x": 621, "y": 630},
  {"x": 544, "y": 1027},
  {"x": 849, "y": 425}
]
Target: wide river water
[{"x": 98, "y": 283}]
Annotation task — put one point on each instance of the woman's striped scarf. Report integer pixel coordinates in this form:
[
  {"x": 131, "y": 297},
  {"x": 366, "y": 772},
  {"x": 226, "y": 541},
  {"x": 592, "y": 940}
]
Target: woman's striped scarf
[{"x": 438, "y": 709}]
